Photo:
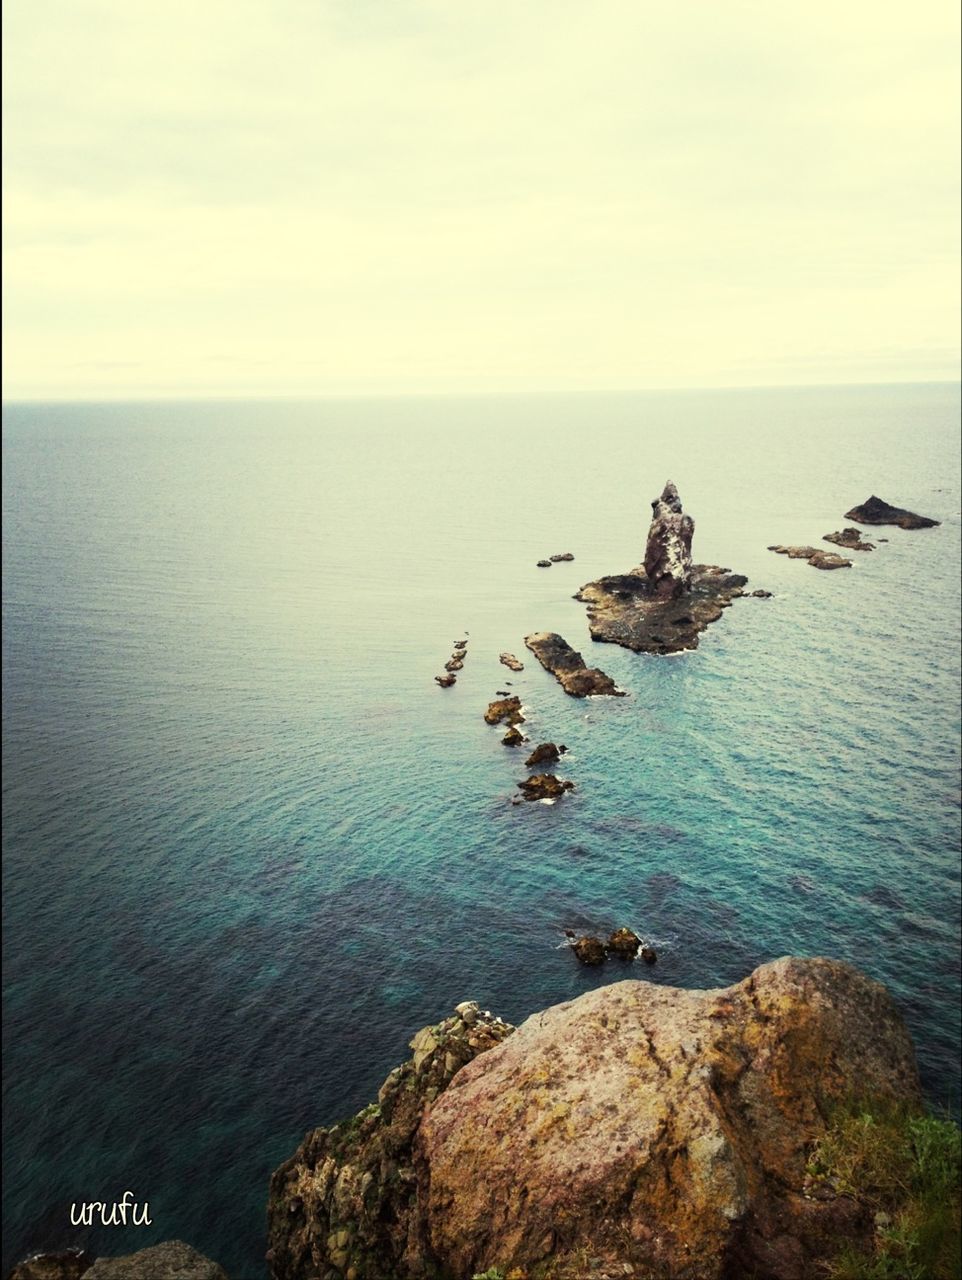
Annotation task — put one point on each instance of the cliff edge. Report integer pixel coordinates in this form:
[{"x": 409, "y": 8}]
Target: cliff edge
[{"x": 639, "y": 1130}]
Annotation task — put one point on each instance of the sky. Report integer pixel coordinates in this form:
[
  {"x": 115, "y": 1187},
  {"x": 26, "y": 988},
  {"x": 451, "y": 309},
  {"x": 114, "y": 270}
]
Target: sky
[{"x": 298, "y": 197}]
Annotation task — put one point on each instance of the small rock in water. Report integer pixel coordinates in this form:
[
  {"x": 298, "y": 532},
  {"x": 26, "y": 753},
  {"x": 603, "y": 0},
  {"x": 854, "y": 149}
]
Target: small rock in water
[
  {"x": 544, "y": 753},
  {"x": 454, "y": 664},
  {"x": 507, "y": 709},
  {"x": 850, "y": 539},
  {"x": 509, "y": 660},
  {"x": 648, "y": 954},
  {"x": 513, "y": 738},
  {"x": 623, "y": 942},
  {"x": 446, "y": 681},
  {"x": 565, "y": 555},
  {"x": 545, "y": 786},
  {"x": 877, "y": 511},
  {"x": 544, "y": 564},
  {"x": 589, "y": 950},
  {"x": 459, "y": 644}
]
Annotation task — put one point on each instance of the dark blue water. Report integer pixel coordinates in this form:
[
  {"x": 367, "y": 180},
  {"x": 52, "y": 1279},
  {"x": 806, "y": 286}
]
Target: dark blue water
[{"x": 251, "y": 847}]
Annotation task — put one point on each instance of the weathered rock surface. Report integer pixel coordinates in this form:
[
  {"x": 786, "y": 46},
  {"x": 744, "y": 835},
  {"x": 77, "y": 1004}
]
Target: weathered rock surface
[
  {"x": 446, "y": 681},
  {"x": 850, "y": 539},
  {"x": 661, "y": 1133},
  {"x": 624, "y": 943},
  {"x": 507, "y": 709},
  {"x": 565, "y": 555},
  {"x": 509, "y": 660},
  {"x": 349, "y": 1199},
  {"x": 544, "y": 564},
  {"x": 668, "y": 567},
  {"x": 622, "y": 611},
  {"x": 545, "y": 753},
  {"x": 877, "y": 511},
  {"x": 544, "y": 786},
  {"x": 569, "y": 668},
  {"x": 453, "y": 664},
  {"x": 172, "y": 1260},
  {"x": 589, "y": 950},
  {"x": 514, "y": 737},
  {"x": 817, "y": 558},
  {"x": 69, "y": 1265},
  {"x": 761, "y": 594}
]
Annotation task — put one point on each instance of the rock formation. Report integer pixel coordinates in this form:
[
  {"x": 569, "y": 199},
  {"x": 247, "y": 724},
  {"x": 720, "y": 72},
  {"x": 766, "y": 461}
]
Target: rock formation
[
  {"x": 876, "y": 511},
  {"x": 816, "y": 557},
  {"x": 624, "y": 943},
  {"x": 664, "y": 604},
  {"x": 565, "y": 555},
  {"x": 446, "y": 681},
  {"x": 544, "y": 786},
  {"x": 506, "y": 709},
  {"x": 172, "y": 1260},
  {"x": 668, "y": 551},
  {"x": 545, "y": 753},
  {"x": 658, "y": 1132},
  {"x": 514, "y": 737},
  {"x": 509, "y": 660},
  {"x": 544, "y": 564},
  {"x": 569, "y": 668},
  {"x": 850, "y": 539},
  {"x": 589, "y": 950}
]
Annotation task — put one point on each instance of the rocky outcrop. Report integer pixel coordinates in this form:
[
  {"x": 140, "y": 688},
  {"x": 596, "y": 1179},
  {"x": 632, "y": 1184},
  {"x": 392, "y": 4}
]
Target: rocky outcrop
[
  {"x": 510, "y": 661},
  {"x": 877, "y": 511},
  {"x": 514, "y": 737},
  {"x": 349, "y": 1201},
  {"x": 558, "y": 559},
  {"x": 663, "y": 605},
  {"x": 172, "y": 1260},
  {"x": 623, "y": 942},
  {"x": 69, "y": 1265},
  {"x": 850, "y": 539},
  {"x": 589, "y": 950},
  {"x": 545, "y": 753},
  {"x": 544, "y": 564},
  {"x": 668, "y": 567},
  {"x": 544, "y": 786},
  {"x": 505, "y": 709},
  {"x": 660, "y": 1132},
  {"x": 569, "y": 668},
  {"x": 446, "y": 681},
  {"x": 817, "y": 558}
]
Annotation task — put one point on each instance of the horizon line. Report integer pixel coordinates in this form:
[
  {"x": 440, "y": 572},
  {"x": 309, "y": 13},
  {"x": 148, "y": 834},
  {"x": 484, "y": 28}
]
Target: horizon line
[{"x": 182, "y": 397}]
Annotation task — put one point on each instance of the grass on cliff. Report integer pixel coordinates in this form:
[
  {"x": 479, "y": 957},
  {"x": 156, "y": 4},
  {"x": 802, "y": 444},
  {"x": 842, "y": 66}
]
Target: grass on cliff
[{"x": 906, "y": 1168}]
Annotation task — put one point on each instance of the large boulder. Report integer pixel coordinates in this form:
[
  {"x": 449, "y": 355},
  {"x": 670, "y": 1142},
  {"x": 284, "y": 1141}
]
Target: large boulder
[{"x": 659, "y": 1132}]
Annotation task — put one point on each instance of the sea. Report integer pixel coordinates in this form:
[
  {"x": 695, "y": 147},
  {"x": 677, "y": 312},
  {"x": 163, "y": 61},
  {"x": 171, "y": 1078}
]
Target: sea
[{"x": 251, "y": 846}]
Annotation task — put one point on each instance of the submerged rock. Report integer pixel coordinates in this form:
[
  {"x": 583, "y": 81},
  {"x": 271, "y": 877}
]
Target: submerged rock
[
  {"x": 509, "y": 660},
  {"x": 657, "y": 1131},
  {"x": 590, "y": 951},
  {"x": 545, "y": 753},
  {"x": 544, "y": 786},
  {"x": 507, "y": 709},
  {"x": 668, "y": 568},
  {"x": 817, "y": 558},
  {"x": 877, "y": 511},
  {"x": 624, "y": 943},
  {"x": 453, "y": 664},
  {"x": 569, "y": 668},
  {"x": 850, "y": 539}
]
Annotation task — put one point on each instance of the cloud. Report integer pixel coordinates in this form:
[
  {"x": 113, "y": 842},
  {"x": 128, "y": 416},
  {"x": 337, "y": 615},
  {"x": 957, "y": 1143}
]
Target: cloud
[{"x": 341, "y": 196}]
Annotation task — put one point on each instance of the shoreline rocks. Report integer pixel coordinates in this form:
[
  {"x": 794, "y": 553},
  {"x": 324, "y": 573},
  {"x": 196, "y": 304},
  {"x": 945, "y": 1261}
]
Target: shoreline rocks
[
  {"x": 663, "y": 1132},
  {"x": 877, "y": 511},
  {"x": 569, "y": 667},
  {"x": 816, "y": 557}
]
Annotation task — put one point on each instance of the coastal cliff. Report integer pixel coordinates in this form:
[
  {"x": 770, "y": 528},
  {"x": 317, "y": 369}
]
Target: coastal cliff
[{"x": 657, "y": 1132}]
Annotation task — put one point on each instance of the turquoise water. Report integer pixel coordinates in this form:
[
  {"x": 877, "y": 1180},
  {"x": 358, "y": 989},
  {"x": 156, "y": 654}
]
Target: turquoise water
[{"x": 251, "y": 847}]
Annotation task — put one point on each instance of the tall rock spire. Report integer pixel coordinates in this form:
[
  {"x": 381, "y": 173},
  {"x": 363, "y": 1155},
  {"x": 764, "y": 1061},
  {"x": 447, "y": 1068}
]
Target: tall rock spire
[{"x": 668, "y": 553}]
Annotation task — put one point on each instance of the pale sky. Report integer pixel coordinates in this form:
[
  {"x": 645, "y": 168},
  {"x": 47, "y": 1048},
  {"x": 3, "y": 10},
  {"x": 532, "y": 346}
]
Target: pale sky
[{"x": 293, "y": 197}]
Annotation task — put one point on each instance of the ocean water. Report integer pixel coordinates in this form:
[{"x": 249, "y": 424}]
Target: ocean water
[{"x": 250, "y": 845}]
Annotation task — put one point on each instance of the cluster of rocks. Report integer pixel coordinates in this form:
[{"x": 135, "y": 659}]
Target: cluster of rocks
[
  {"x": 653, "y": 1130},
  {"x": 622, "y": 943},
  {"x": 818, "y": 559},
  {"x": 453, "y": 664},
  {"x": 874, "y": 511},
  {"x": 507, "y": 710},
  {"x": 664, "y": 604},
  {"x": 546, "y": 564},
  {"x": 540, "y": 786}
]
